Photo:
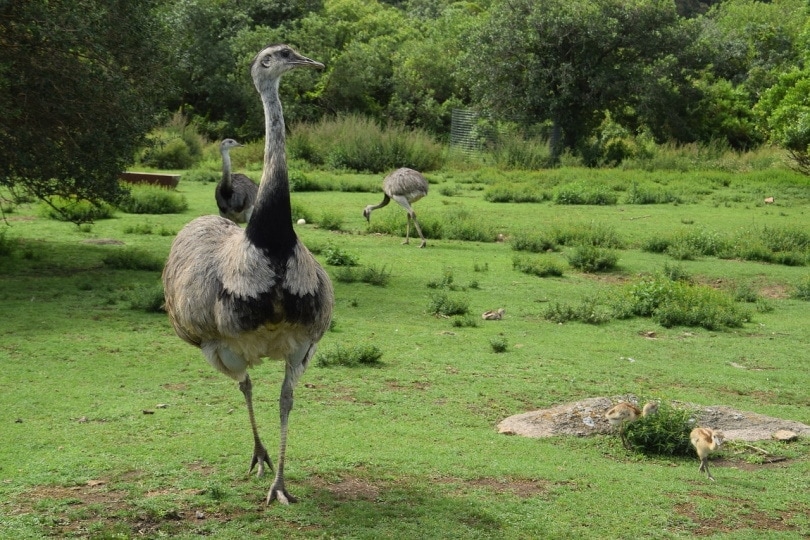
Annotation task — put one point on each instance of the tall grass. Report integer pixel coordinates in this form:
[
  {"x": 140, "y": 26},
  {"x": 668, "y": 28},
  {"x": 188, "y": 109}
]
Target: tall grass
[{"x": 356, "y": 143}]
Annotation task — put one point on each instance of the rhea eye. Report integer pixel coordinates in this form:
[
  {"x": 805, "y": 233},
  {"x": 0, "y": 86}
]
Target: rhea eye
[{"x": 284, "y": 53}]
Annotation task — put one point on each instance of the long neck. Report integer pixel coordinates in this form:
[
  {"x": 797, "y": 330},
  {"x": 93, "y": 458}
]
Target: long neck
[
  {"x": 226, "y": 168},
  {"x": 270, "y": 226}
]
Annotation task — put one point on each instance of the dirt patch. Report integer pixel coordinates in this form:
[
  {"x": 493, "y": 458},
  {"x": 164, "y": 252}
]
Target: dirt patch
[
  {"x": 745, "y": 517},
  {"x": 103, "y": 242},
  {"x": 587, "y": 417},
  {"x": 349, "y": 489},
  {"x": 519, "y": 487}
]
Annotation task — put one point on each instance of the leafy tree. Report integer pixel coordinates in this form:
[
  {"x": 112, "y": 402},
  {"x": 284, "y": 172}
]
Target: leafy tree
[
  {"x": 81, "y": 82},
  {"x": 786, "y": 110},
  {"x": 571, "y": 60}
]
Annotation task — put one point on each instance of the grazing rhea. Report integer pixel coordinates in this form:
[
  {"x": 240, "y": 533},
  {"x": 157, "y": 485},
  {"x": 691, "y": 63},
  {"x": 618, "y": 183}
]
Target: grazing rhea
[
  {"x": 405, "y": 186},
  {"x": 625, "y": 413},
  {"x": 235, "y": 193},
  {"x": 706, "y": 441},
  {"x": 241, "y": 295}
]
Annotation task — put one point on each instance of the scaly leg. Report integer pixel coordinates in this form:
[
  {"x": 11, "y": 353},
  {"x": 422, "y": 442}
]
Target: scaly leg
[{"x": 260, "y": 456}]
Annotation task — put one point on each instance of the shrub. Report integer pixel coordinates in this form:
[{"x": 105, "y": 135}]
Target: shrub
[
  {"x": 589, "y": 311},
  {"x": 587, "y": 234},
  {"x": 580, "y": 193},
  {"x": 132, "y": 259},
  {"x": 7, "y": 245},
  {"x": 372, "y": 275},
  {"x": 802, "y": 289},
  {"x": 672, "y": 303},
  {"x": 445, "y": 282},
  {"x": 75, "y": 210},
  {"x": 442, "y": 305},
  {"x": 656, "y": 245},
  {"x": 534, "y": 242},
  {"x": 145, "y": 199},
  {"x": 539, "y": 267},
  {"x": 331, "y": 221},
  {"x": 592, "y": 259},
  {"x": 338, "y": 257},
  {"x": 148, "y": 299},
  {"x": 516, "y": 193},
  {"x": 202, "y": 176},
  {"x": 466, "y": 321},
  {"x": 499, "y": 344},
  {"x": 353, "y": 356},
  {"x": 299, "y": 211},
  {"x": 663, "y": 433}
]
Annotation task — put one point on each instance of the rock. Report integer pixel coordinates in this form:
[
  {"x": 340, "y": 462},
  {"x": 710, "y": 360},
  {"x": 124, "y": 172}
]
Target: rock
[
  {"x": 302, "y": 221},
  {"x": 785, "y": 435}
]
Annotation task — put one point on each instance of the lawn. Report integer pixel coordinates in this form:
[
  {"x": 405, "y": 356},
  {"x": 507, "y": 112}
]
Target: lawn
[{"x": 112, "y": 427}]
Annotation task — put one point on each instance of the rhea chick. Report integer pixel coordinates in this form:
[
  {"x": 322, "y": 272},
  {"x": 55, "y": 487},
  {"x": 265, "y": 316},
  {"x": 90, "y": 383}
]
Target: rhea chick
[
  {"x": 706, "y": 441},
  {"x": 625, "y": 413}
]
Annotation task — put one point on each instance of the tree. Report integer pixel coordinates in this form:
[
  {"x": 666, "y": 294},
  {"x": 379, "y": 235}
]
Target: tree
[
  {"x": 82, "y": 81},
  {"x": 571, "y": 60}
]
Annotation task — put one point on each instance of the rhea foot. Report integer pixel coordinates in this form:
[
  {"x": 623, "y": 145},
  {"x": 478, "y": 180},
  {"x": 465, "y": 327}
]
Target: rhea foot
[
  {"x": 277, "y": 492},
  {"x": 260, "y": 457}
]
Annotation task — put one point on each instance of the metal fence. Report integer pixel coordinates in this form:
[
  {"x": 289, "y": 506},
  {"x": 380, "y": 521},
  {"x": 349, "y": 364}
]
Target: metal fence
[{"x": 462, "y": 131}]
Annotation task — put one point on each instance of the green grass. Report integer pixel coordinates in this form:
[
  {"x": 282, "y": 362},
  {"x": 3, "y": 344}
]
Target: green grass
[{"x": 112, "y": 427}]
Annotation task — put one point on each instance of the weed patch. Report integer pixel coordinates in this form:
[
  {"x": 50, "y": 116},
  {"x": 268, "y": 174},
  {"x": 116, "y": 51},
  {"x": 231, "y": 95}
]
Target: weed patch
[
  {"x": 356, "y": 355},
  {"x": 145, "y": 199},
  {"x": 132, "y": 259},
  {"x": 663, "y": 433}
]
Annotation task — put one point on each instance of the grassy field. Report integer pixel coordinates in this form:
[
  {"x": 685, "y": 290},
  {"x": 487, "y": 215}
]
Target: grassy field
[{"x": 112, "y": 427}]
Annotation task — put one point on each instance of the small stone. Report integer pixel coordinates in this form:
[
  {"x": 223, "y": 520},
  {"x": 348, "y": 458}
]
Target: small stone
[
  {"x": 785, "y": 435},
  {"x": 200, "y": 515},
  {"x": 147, "y": 411},
  {"x": 302, "y": 221},
  {"x": 161, "y": 406}
]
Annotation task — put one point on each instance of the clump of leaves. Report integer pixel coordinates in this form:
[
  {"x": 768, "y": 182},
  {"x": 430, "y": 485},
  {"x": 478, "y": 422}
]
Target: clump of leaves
[
  {"x": 664, "y": 433},
  {"x": 445, "y": 282},
  {"x": 132, "y": 259},
  {"x": 802, "y": 289},
  {"x": 588, "y": 311},
  {"x": 331, "y": 221},
  {"x": 537, "y": 267},
  {"x": 150, "y": 299},
  {"x": 373, "y": 275},
  {"x": 336, "y": 256},
  {"x": 592, "y": 258},
  {"x": 499, "y": 344},
  {"x": 534, "y": 242},
  {"x": 75, "y": 210},
  {"x": 146, "y": 199},
  {"x": 441, "y": 304},
  {"x": 7, "y": 245},
  {"x": 466, "y": 321},
  {"x": 353, "y": 356}
]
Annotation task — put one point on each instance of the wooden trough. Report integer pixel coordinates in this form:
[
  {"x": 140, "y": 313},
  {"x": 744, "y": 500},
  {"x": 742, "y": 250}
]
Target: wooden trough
[{"x": 156, "y": 179}]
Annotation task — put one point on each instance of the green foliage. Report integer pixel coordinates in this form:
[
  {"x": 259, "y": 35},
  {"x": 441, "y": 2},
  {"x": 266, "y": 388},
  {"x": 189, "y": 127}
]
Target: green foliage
[
  {"x": 149, "y": 228},
  {"x": 581, "y": 193},
  {"x": 200, "y": 175},
  {"x": 373, "y": 275},
  {"x": 356, "y": 143},
  {"x": 132, "y": 259},
  {"x": 7, "y": 245},
  {"x": 677, "y": 303},
  {"x": 148, "y": 299},
  {"x": 802, "y": 289},
  {"x": 499, "y": 344},
  {"x": 82, "y": 83},
  {"x": 466, "y": 321},
  {"x": 75, "y": 210},
  {"x": 445, "y": 282},
  {"x": 588, "y": 311},
  {"x": 540, "y": 267},
  {"x": 592, "y": 258},
  {"x": 145, "y": 199},
  {"x": 352, "y": 356},
  {"x": 331, "y": 221},
  {"x": 663, "y": 433},
  {"x": 176, "y": 145},
  {"x": 336, "y": 256},
  {"x": 441, "y": 304},
  {"x": 517, "y": 193}
]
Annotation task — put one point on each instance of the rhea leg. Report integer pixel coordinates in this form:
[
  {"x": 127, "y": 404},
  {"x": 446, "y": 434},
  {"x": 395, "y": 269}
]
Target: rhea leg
[
  {"x": 403, "y": 202},
  {"x": 260, "y": 456},
  {"x": 704, "y": 466},
  {"x": 295, "y": 367}
]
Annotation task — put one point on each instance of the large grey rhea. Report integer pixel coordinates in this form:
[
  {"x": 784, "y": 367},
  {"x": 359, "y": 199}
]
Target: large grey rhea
[
  {"x": 242, "y": 295},
  {"x": 405, "y": 186},
  {"x": 235, "y": 193}
]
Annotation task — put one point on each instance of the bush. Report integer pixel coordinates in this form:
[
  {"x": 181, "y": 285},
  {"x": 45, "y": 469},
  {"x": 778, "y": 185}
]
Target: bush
[
  {"x": 148, "y": 299},
  {"x": 442, "y": 305},
  {"x": 466, "y": 321},
  {"x": 592, "y": 259},
  {"x": 75, "y": 210},
  {"x": 7, "y": 245},
  {"x": 534, "y": 242},
  {"x": 663, "y": 433},
  {"x": 132, "y": 259},
  {"x": 331, "y": 221},
  {"x": 353, "y": 356},
  {"x": 587, "y": 234},
  {"x": 145, "y": 199},
  {"x": 499, "y": 344},
  {"x": 672, "y": 303},
  {"x": 539, "y": 267},
  {"x": 202, "y": 176},
  {"x": 580, "y": 193},
  {"x": 516, "y": 193},
  {"x": 802, "y": 289},
  {"x": 589, "y": 311},
  {"x": 338, "y": 257},
  {"x": 372, "y": 275}
]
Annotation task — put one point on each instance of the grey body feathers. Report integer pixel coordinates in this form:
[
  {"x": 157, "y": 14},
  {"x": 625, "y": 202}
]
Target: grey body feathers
[
  {"x": 235, "y": 193},
  {"x": 404, "y": 186}
]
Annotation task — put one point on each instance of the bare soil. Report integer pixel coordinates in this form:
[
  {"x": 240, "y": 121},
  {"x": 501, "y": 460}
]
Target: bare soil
[{"x": 587, "y": 417}]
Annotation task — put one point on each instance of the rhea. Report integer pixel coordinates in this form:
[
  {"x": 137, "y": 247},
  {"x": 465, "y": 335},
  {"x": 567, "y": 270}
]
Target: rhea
[
  {"x": 405, "y": 186},
  {"x": 235, "y": 193},
  {"x": 242, "y": 295},
  {"x": 625, "y": 413},
  {"x": 706, "y": 441}
]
